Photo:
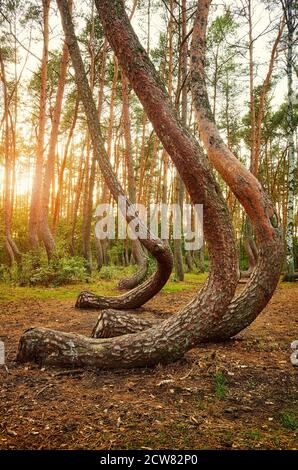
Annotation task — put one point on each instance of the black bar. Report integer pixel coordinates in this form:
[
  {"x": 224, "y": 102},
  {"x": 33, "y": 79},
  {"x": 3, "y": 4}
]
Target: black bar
[{"x": 141, "y": 458}]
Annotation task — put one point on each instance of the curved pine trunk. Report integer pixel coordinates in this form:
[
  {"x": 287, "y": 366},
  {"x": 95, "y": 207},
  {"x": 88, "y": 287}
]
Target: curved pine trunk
[
  {"x": 160, "y": 250},
  {"x": 246, "y": 307},
  {"x": 166, "y": 341}
]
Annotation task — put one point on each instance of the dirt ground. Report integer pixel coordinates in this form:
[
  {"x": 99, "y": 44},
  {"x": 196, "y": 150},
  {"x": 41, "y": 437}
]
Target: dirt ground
[{"x": 239, "y": 395}]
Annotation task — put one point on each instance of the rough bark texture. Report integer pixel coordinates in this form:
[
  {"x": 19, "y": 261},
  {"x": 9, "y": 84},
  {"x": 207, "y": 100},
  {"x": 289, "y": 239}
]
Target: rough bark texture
[
  {"x": 113, "y": 323},
  {"x": 166, "y": 341},
  {"x": 244, "y": 308}
]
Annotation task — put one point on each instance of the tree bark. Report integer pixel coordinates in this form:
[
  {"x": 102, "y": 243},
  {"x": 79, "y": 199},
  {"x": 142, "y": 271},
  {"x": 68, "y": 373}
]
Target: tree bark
[
  {"x": 113, "y": 323},
  {"x": 244, "y": 308},
  {"x": 62, "y": 167},
  {"x": 166, "y": 341}
]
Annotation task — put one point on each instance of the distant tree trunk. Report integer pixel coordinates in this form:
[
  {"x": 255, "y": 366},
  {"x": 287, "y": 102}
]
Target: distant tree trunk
[
  {"x": 90, "y": 169},
  {"x": 78, "y": 192},
  {"x": 249, "y": 243},
  {"x": 35, "y": 208},
  {"x": 57, "y": 204},
  {"x": 11, "y": 247},
  {"x": 177, "y": 242},
  {"x": 88, "y": 206},
  {"x": 166, "y": 341},
  {"x": 105, "y": 196},
  {"x": 179, "y": 186},
  {"x": 137, "y": 250},
  {"x": 289, "y": 10},
  {"x": 44, "y": 228}
]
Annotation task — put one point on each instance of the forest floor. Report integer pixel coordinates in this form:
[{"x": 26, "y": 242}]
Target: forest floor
[{"x": 239, "y": 395}]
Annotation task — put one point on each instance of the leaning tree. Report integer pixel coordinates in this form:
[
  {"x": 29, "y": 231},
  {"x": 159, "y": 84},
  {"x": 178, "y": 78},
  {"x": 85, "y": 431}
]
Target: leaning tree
[
  {"x": 212, "y": 314},
  {"x": 158, "y": 248},
  {"x": 245, "y": 307}
]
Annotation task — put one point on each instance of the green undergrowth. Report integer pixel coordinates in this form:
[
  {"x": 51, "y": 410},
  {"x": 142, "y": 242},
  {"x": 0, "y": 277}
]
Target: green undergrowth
[{"x": 104, "y": 283}]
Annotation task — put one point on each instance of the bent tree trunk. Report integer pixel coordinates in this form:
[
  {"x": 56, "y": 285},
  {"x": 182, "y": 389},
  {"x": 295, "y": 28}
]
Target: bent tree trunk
[
  {"x": 168, "y": 340},
  {"x": 246, "y": 307},
  {"x": 141, "y": 294},
  {"x": 250, "y": 248}
]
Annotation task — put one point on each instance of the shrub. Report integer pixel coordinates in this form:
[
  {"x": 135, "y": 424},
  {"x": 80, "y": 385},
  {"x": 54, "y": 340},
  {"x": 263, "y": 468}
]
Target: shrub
[{"x": 36, "y": 270}]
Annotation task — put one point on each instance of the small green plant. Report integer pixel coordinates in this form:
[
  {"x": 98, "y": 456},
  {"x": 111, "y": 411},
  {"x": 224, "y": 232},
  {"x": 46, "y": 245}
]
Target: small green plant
[
  {"x": 253, "y": 435},
  {"x": 220, "y": 385},
  {"x": 289, "y": 421}
]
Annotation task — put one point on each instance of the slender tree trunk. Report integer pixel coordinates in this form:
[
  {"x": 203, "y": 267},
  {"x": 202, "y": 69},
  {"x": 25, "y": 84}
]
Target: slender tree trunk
[
  {"x": 57, "y": 204},
  {"x": 44, "y": 228},
  {"x": 137, "y": 250},
  {"x": 288, "y": 6},
  {"x": 36, "y": 188},
  {"x": 179, "y": 186},
  {"x": 11, "y": 247},
  {"x": 78, "y": 192},
  {"x": 249, "y": 243}
]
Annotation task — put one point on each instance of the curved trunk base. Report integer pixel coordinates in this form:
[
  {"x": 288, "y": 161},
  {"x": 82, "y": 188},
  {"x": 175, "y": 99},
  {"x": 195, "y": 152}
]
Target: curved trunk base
[{"x": 113, "y": 323}]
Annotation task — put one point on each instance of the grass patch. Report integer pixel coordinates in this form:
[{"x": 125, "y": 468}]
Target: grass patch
[
  {"x": 220, "y": 383},
  {"x": 103, "y": 283},
  {"x": 288, "y": 285},
  {"x": 70, "y": 292},
  {"x": 289, "y": 421},
  {"x": 253, "y": 435}
]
